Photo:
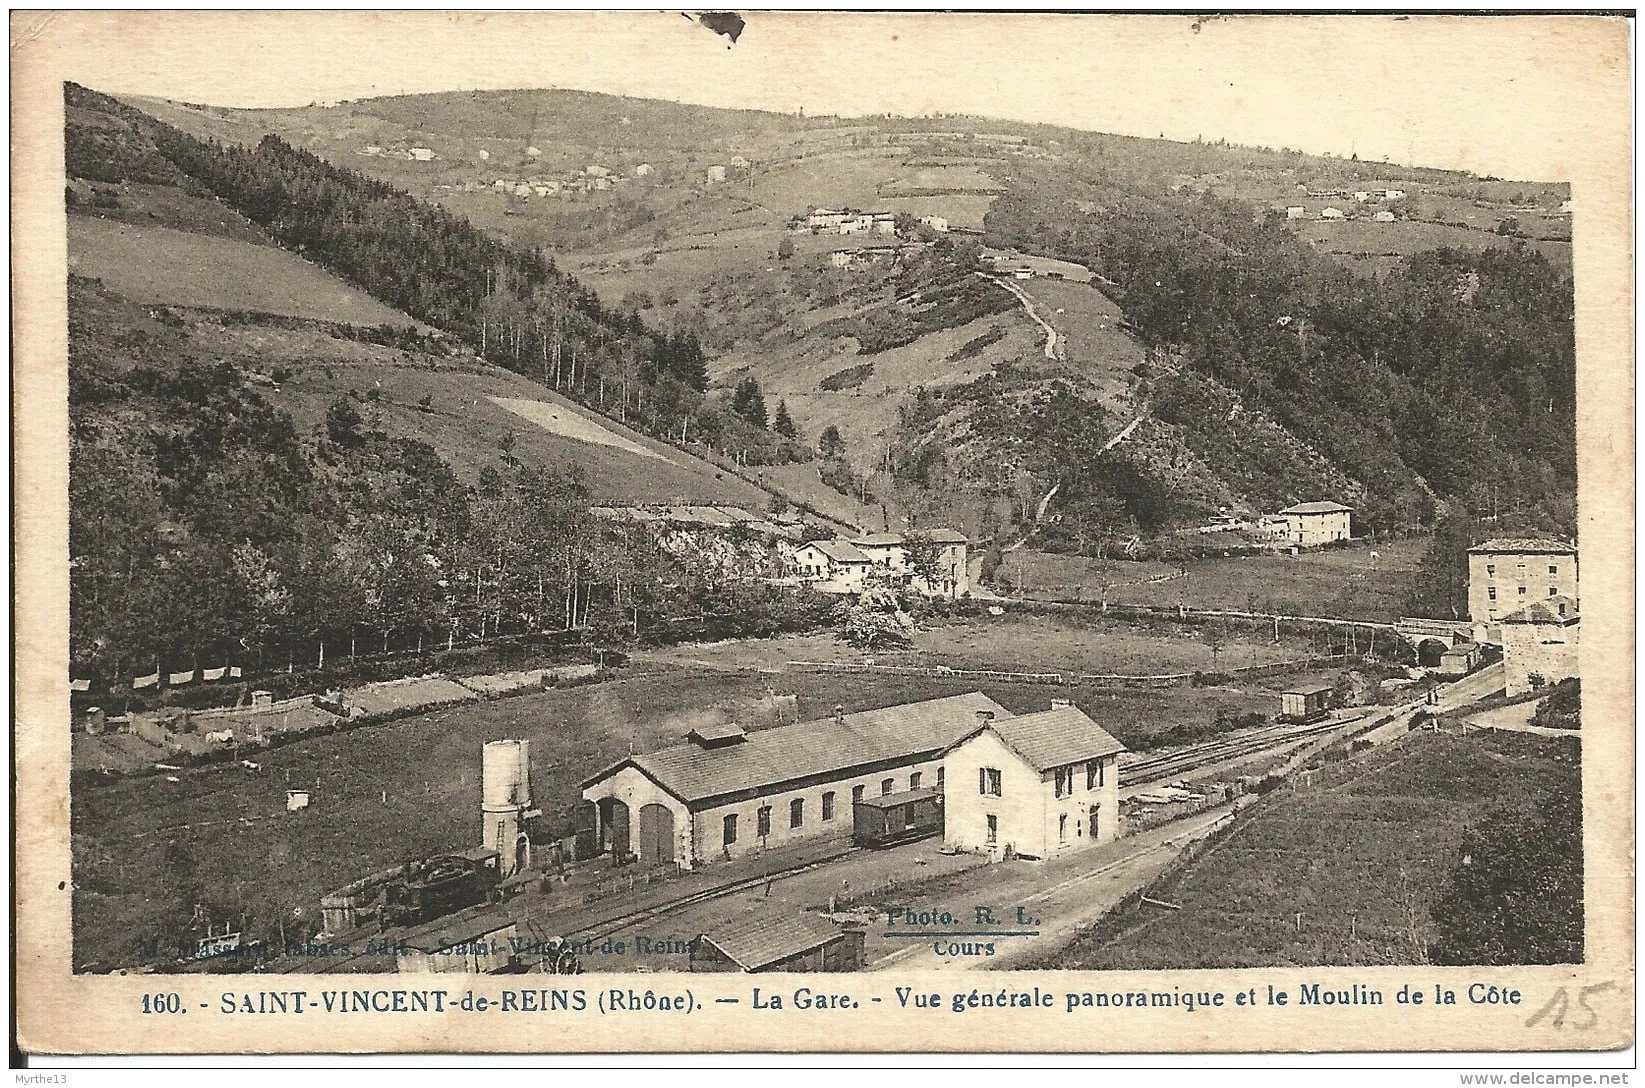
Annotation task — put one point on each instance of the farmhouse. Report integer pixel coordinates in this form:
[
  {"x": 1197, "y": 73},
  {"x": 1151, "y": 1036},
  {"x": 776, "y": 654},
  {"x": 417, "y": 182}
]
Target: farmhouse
[
  {"x": 1507, "y": 573},
  {"x": 935, "y": 222},
  {"x": 1539, "y": 644},
  {"x": 1296, "y": 211},
  {"x": 422, "y": 154},
  {"x": 1382, "y": 217},
  {"x": 1331, "y": 213},
  {"x": 716, "y": 174},
  {"x": 889, "y": 555},
  {"x": 1309, "y": 524},
  {"x": 725, "y": 792},
  {"x": 832, "y": 566},
  {"x": 642, "y": 170},
  {"x": 1044, "y": 784}
]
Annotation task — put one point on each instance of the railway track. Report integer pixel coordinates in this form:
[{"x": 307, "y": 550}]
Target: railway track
[{"x": 1159, "y": 768}]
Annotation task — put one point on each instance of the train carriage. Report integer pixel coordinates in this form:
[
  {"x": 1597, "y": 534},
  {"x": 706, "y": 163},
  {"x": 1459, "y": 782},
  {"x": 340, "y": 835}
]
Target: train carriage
[{"x": 896, "y": 818}]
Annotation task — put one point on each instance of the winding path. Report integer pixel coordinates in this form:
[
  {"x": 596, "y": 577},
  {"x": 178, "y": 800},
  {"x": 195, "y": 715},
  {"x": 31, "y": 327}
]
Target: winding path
[{"x": 1052, "y": 340}]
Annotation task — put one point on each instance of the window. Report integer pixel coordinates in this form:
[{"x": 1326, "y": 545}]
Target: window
[
  {"x": 1522, "y": 591},
  {"x": 993, "y": 828},
  {"x": 796, "y": 812},
  {"x": 1490, "y": 570},
  {"x": 988, "y": 781},
  {"x": 939, "y": 777},
  {"x": 1553, "y": 591},
  {"x": 763, "y": 822},
  {"x": 886, "y": 785},
  {"x": 1093, "y": 775},
  {"x": 828, "y": 806},
  {"x": 914, "y": 780},
  {"x": 1490, "y": 591},
  {"x": 1065, "y": 781},
  {"x": 1553, "y": 569},
  {"x": 1062, "y": 827},
  {"x": 729, "y": 835},
  {"x": 856, "y": 794}
]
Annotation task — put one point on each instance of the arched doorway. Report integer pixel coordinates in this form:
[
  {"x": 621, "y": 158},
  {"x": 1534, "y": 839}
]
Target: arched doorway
[
  {"x": 1429, "y": 652},
  {"x": 522, "y": 853},
  {"x": 656, "y": 845},
  {"x": 613, "y": 817}
]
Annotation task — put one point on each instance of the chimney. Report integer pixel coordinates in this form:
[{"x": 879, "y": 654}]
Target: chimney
[
  {"x": 839, "y": 714},
  {"x": 1061, "y": 704},
  {"x": 984, "y": 717}
]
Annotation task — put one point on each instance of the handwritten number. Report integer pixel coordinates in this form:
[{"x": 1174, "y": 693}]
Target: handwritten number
[{"x": 1562, "y": 1002}]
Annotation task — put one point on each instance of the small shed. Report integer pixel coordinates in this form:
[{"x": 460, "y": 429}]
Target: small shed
[
  {"x": 1305, "y": 704},
  {"x": 762, "y": 942},
  {"x": 1459, "y": 660},
  {"x": 896, "y": 817}
]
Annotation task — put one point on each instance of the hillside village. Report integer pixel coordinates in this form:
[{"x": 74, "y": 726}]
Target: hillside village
[{"x": 697, "y": 503}]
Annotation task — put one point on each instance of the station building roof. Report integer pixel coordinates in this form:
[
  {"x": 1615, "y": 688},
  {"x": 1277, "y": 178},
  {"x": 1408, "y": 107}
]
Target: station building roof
[{"x": 768, "y": 759}]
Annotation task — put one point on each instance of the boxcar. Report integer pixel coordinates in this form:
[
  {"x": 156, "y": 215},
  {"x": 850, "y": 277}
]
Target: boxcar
[{"x": 896, "y": 817}]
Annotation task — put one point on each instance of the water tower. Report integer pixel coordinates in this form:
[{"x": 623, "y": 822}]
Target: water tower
[{"x": 506, "y": 803}]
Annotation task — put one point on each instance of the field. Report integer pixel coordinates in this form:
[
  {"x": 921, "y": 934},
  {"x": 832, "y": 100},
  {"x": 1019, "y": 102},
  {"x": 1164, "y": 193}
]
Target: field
[
  {"x": 1381, "y": 247},
  {"x": 1017, "y": 643},
  {"x": 147, "y": 849},
  {"x": 1340, "y": 582},
  {"x": 1362, "y": 863},
  {"x": 1095, "y": 347},
  {"x": 153, "y": 264},
  {"x": 867, "y": 412}
]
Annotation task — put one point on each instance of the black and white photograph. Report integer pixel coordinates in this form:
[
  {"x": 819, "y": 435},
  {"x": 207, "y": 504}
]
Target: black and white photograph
[{"x": 538, "y": 509}]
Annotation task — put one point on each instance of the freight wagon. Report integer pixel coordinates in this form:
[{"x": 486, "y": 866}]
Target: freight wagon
[{"x": 896, "y": 817}]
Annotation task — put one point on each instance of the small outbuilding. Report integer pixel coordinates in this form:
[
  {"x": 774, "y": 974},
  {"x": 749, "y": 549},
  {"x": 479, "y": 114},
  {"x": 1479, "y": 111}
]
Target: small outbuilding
[{"x": 760, "y": 943}]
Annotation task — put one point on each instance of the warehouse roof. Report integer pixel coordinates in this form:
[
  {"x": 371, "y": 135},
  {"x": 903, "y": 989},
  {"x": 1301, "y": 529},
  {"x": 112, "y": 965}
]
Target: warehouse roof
[
  {"x": 753, "y": 941},
  {"x": 767, "y": 758},
  {"x": 1318, "y": 508},
  {"x": 1532, "y": 545},
  {"x": 1051, "y": 738}
]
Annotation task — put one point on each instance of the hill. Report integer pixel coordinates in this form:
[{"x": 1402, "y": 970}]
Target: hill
[{"x": 1208, "y": 352}]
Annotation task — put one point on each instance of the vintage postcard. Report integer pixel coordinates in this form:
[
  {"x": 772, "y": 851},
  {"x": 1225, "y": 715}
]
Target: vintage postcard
[{"x": 708, "y": 531}]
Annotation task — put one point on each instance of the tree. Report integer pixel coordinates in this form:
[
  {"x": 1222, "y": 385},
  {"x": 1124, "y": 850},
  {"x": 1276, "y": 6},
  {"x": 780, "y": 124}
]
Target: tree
[
  {"x": 830, "y": 445},
  {"x": 784, "y": 423},
  {"x": 343, "y": 423},
  {"x": 925, "y": 561},
  {"x": 1516, "y": 895},
  {"x": 747, "y": 401},
  {"x": 785, "y": 249}
]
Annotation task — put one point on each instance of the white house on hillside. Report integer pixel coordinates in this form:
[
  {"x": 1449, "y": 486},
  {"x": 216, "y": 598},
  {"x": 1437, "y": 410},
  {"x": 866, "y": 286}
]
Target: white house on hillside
[{"x": 1309, "y": 524}]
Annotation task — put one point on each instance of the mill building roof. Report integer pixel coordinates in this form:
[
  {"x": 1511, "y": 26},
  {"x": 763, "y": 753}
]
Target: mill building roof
[
  {"x": 1527, "y": 545},
  {"x": 1558, "y": 609}
]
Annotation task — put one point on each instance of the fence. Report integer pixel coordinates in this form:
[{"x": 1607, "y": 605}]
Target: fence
[
  {"x": 621, "y": 885},
  {"x": 1156, "y": 680}
]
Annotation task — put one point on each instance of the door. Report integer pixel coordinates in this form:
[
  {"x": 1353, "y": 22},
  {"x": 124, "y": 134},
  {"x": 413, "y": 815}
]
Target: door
[
  {"x": 613, "y": 815},
  {"x": 656, "y": 845},
  {"x": 1093, "y": 817}
]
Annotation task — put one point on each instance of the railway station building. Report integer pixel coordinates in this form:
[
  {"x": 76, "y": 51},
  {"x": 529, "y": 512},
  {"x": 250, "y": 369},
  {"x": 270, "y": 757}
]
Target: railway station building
[
  {"x": 1033, "y": 786},
  {"x": 725, "y": 793}
]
